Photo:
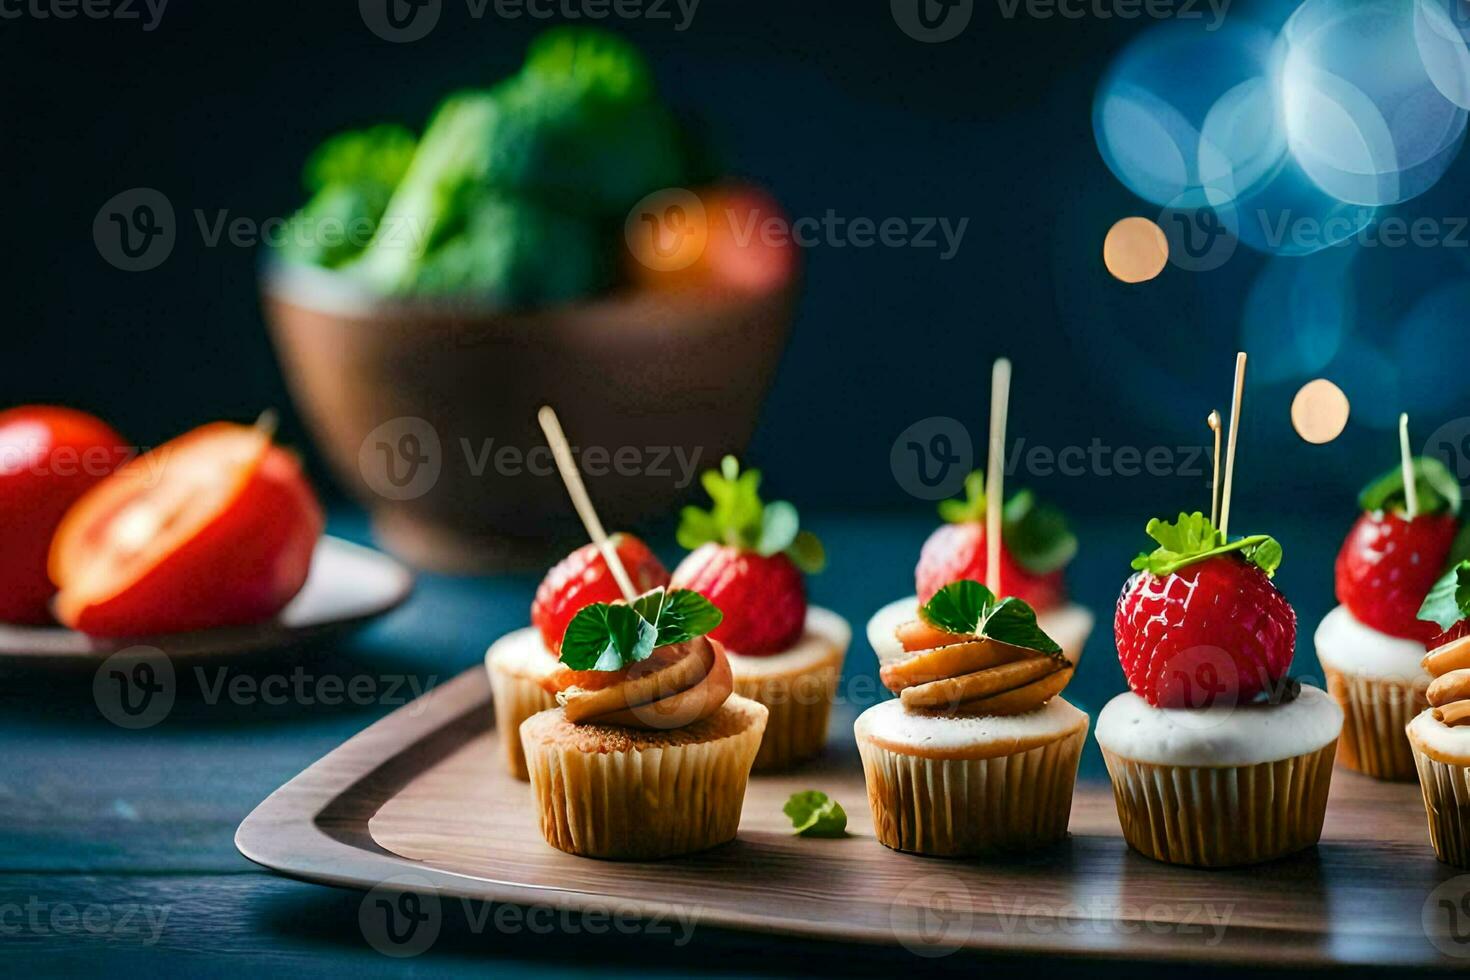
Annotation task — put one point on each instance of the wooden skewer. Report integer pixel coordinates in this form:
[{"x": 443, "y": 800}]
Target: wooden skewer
[
  {"x": 1411, "y": 490},
  {"x": 267, "y": 422},
  {"x": 1214, "y": 423},
  {"x": 577, "y": 490},
  {"x": 1230, "y": 446},
  {"x": 1000, "y": 397}
]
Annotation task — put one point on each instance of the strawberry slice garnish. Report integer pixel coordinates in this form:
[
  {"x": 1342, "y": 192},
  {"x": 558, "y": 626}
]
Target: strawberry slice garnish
[
  {"x": 1388, "y": 562},
  {"x": 582, "y": 578},
  {"x": 1201, "y": 623},
  {"x": 747, "y": 558},
  {"x": 1035, "y": 546}
]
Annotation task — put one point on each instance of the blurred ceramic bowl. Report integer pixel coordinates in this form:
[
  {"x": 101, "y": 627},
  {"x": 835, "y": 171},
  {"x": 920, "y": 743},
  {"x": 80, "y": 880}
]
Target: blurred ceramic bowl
[{"x": 426, "y": 410}]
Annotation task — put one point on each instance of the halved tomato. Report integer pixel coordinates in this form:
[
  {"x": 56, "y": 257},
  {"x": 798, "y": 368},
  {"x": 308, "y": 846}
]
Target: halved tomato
[{"x": 214, "y": 528}]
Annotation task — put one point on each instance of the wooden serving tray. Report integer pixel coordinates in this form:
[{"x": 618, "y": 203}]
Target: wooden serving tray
[{"x": 422, "y": 800}]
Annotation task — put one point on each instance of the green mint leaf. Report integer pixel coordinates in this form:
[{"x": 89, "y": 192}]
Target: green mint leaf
[
  {"x": 737, "y": 517},
  {"x": 1036, "y": 534},
  {"x": 807, "y": 553},
  {"x": 968, "y": 608},
  {"x": 1449, "y": 601},
  {"x": 969, "y": 508},
  {"x": 1439, "y": 490},
  {"x": 607, "y": 636},
  {"x": 1192, "y": 538},
  {"x": 814, "y": 814},
  {"x": 779, "y": 525},
  {"x": 677, "y": 616}
]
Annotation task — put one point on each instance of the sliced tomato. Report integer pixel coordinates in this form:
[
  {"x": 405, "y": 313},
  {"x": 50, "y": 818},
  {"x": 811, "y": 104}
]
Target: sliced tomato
[
  {"x": 49, "y": 457},
  {"x": 215, "y": 528}
]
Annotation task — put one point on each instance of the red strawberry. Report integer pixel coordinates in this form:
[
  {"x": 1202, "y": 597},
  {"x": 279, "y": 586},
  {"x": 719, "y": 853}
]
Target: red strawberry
[
  {"x": 763, "y": 597},
  {"x": 582, "y": 578},
  {"x": 1456, "y": 632},
  {"x": 1214, "y": 632},
  {"x": 1387, "y": 566},
  {"x": 957, "y": 551}
]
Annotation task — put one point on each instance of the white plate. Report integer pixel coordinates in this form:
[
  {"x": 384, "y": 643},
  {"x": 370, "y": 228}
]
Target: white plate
[{"x": 348, "y": 586}]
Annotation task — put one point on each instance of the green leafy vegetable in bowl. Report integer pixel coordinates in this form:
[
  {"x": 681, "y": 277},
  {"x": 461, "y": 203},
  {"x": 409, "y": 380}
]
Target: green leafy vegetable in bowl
[{"x": 515, "y": 194}]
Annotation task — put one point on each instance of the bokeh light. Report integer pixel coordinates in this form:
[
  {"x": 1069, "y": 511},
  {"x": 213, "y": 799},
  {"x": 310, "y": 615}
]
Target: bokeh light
[
  {"x": 1363, "y": 116},
  {"x": 1320, "y": 411},
  {"x": 1297, "y": 315},
  {"x": 1441, "y": 33},
  {"x": 1135, "y": 250}
]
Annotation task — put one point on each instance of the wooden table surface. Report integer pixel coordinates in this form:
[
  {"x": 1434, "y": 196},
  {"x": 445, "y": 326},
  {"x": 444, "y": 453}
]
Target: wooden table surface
[{"x": 116, "y": 846}]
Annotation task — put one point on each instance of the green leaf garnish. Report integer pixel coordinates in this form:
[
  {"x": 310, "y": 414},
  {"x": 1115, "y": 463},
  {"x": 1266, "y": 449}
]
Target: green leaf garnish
[
  {"x": 739, "y": 518},
  {"x": 967, "y": 608},
  {"x": 814, "y": 814},
  {"x": 1035, "y": 534},
  {"x": 611, "y": 636},
  {"x": 1439, "y": 490},
  {"x": 1449, "y": 601},
  {"x": 1192, "y": 538}
]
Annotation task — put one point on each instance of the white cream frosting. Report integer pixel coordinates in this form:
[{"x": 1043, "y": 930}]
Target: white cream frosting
[
  {"x": 939, "y": 734},
  {"x": 1221, "y": 736},
  {"x": 1441, "y": 742},
  {"x": 1069, "y": 625},
  {"x": 1347, "y": 645},
  {"x": 826, "y": 637},
  {"x": 521, "y": 652}
]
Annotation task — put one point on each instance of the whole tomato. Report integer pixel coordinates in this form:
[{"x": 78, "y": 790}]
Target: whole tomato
[{"x": 49, "y": 457}]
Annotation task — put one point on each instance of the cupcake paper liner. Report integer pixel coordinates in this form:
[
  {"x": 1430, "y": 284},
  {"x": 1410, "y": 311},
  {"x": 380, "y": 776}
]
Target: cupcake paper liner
[
  {"x": 1219, "y": 816},
  {"x": 964, "y": 807},
  {"x": 1375, "y": 713},
  {"x": 1446, "y": 789},
  {"x": 648, "y": 800},
  {"x": 799, "y": 706},
  {"x": 516, "y": 699}
]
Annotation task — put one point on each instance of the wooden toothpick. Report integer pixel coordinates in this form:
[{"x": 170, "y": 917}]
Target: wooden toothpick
[
  {"x": 1000, "y": 397},
  {"x": 1230, "y": 446},
  {"x": 577, "y": 490},
  {"x": 1411, "y": 490},
  {"x": 1214, "y": 423}
]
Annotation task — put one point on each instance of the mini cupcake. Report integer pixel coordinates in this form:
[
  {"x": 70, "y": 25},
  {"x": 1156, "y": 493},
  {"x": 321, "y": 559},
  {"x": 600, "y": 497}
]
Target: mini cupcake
[
  {"x": 649, "y": 752},
  {"x": 1371, "y": 644},
  {"x": 1216, "y": 758},
  {"x": 520, "y": 664},
  {"x": 1440, "y": 735},
  {"x": 747, "y": 557},
  {"x": 978, "y": 754}
]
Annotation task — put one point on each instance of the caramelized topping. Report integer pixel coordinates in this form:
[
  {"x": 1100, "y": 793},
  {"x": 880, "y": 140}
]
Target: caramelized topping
[
  {"x": 676, "y": 686},
  {"x": 972, "y": 675},
  {"x": 1449, "y": 694}
]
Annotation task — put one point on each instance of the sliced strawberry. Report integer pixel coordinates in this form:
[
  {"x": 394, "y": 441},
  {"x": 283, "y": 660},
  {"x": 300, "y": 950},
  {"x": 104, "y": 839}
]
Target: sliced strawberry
[
  {"x": 1456, "y": 632},
  {"x": 1387, "y": 566},
  {"x": 1215, "y": 632},
  {"x": 763, "y": 597},
  {"x": 583, "y": 578},
  {"x": 957, "y": 551}
]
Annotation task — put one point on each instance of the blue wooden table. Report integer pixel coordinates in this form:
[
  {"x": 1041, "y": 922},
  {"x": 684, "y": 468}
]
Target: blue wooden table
[{"x": 116, "y": 848}]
